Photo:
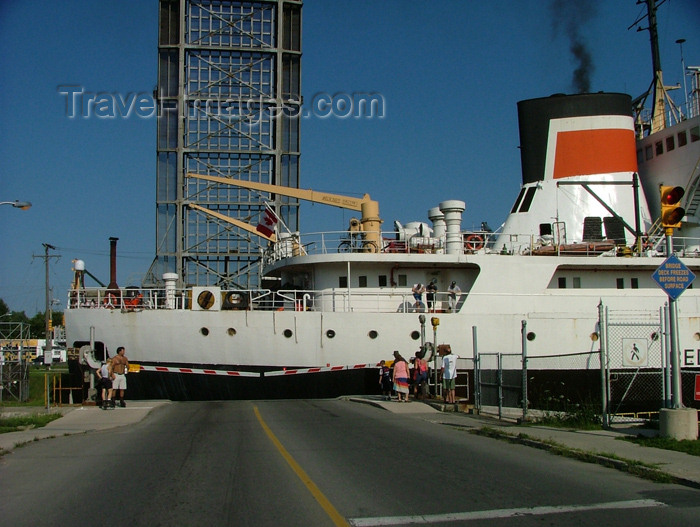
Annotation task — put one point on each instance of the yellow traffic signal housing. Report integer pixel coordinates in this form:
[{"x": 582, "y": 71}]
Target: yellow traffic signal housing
[{"x": 671, "y": 211}]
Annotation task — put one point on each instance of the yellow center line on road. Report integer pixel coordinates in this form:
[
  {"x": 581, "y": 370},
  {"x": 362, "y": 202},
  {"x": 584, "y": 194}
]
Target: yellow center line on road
[{"x": 327, "y": 506}]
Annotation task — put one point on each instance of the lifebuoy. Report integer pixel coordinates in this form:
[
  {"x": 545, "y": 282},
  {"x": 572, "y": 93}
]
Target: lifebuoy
[{"x": 474, "y": 242}]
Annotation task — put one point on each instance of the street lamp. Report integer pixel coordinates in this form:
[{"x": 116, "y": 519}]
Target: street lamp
[{"x": 24, "y": 205}]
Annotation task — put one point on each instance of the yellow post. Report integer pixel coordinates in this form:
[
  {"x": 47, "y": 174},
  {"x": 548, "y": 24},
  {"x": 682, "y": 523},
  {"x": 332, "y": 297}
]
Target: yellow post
[{"x": 372, "y": 226}]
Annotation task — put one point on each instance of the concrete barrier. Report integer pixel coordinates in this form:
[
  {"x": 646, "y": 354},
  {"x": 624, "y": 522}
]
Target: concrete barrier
[{"x": 679, "y": 423}]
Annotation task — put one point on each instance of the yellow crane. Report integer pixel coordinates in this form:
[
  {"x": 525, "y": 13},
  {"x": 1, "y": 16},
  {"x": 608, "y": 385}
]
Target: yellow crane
[{"x": 370, "y": 223}]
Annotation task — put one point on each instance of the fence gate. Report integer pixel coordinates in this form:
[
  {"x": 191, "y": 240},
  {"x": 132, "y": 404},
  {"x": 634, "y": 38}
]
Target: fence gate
[
  {"x": 499, "y": 381},
  {"x": 635, "y": 344}
]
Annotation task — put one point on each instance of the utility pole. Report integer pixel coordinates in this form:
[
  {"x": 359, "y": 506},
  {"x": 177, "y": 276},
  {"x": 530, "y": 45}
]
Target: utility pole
[{"x": 47, "y": 314}]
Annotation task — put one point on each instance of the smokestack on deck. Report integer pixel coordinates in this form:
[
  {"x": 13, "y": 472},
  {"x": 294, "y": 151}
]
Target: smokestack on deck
[
  {"x": 561, "y": 130},
  {"x": 113, "y": 287}
]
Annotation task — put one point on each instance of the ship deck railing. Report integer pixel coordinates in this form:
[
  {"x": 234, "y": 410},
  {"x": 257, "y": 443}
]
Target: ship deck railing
[
  {"x": 526, "y": 244},
  {"x": 132, "y": 299}
]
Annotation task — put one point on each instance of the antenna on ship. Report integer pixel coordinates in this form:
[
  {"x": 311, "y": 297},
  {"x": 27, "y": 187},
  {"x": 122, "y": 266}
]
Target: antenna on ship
[{"x": 680, "y": 42}]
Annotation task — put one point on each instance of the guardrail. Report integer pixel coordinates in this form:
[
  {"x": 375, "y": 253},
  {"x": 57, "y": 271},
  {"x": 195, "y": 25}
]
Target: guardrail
[
  {"x": 525, "y": 244},
  {"x": 330, "y": 300}
]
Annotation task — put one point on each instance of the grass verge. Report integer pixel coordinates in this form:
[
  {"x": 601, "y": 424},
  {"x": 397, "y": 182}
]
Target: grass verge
[
  {"x": 15, "y": 424},
  {"x": 686, "y": 446},
  {"x": 637, "y": 468}
]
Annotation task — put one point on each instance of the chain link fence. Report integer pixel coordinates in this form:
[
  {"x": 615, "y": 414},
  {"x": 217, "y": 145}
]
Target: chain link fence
[{"x": 632, "y": 382}]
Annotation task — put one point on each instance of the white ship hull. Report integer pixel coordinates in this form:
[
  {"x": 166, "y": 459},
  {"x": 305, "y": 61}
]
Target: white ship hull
[{"x": 367, "y": 327}]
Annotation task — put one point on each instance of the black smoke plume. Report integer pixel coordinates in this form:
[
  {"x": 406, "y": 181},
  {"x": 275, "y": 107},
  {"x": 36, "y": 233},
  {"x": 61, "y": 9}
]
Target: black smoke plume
[{"x": 571, "y": 17}]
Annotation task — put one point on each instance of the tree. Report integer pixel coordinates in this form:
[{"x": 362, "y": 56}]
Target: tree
[
  {"x": 4, "y": 310},
  {"x": 37, "y": 324}
]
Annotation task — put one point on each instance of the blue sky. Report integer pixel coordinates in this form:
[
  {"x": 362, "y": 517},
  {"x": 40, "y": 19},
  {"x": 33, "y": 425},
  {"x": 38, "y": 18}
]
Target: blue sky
[{"x": 450, "y": 73}]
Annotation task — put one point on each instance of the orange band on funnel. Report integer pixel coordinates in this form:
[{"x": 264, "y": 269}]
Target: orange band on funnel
[{"x": 587, "y": 152}]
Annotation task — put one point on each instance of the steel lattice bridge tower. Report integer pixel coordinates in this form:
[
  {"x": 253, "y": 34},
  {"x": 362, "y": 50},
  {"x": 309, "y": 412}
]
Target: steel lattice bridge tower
[{"x": 229, "y": 99}]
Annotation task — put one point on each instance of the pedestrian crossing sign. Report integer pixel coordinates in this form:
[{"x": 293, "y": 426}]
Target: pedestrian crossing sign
[{"x": 635, "y": 353}]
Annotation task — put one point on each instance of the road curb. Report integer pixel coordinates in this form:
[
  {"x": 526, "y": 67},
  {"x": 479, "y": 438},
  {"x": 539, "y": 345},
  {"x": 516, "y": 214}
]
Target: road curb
[{"x": 631, "y": 467}]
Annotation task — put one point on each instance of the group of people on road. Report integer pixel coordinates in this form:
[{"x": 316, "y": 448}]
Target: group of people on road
[
  {"x": 430, "y": 290},
  {"x": 112, "y": 379},
  {"x": 400, "y": 378}
]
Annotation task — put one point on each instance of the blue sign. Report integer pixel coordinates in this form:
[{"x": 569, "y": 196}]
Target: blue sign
[{"x": 673, "y": 276}]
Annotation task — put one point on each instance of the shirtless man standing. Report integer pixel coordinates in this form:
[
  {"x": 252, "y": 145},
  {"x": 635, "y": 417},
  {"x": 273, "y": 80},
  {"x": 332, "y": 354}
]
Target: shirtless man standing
[{"x": 119, "y": 366}]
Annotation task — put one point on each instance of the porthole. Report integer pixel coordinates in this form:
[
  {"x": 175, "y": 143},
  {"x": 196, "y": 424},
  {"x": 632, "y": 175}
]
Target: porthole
[
  {"x": 330, "y": 333},
  {"x": 415, "y": 335},
  {"x": 204, "y": 331},
  {"x": 288, "y": 333},
  {"x": 231, "y": 332},
  {"x": 373, "y": 334},
  {"x": 654, "y": 336},
  {"x": 696, "y": 336},
  {"x": 531, "y": 336},
  {"x": 594, "y": 336}
]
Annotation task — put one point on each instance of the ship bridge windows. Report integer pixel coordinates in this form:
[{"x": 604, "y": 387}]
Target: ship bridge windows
[
  {"x": 382, "y": 280},
  {"x": 695, "y": 134},
  {"x": 670, "y": 143}
]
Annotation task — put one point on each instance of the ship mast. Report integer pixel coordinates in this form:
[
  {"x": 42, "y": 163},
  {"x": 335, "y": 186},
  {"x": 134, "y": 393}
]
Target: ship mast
[
  {"x": 658, "y": 119},
  {"x": 662, "y": 103}
]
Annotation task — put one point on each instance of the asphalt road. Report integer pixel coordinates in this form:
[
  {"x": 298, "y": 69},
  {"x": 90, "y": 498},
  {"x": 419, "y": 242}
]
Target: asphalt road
[{"x": 316, "y": 463}]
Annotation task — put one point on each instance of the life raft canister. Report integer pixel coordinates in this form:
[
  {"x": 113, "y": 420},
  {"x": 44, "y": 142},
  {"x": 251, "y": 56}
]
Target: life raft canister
[{"x": 474, "y": 242}]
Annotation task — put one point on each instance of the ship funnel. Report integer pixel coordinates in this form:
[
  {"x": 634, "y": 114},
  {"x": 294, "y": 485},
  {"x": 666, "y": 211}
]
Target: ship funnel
[
  {"x": 453, "y": 210},
  {"x": 170, "y": 280}
]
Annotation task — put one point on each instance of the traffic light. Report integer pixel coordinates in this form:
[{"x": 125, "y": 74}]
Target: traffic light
[{"x": 671, "y": 211}]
